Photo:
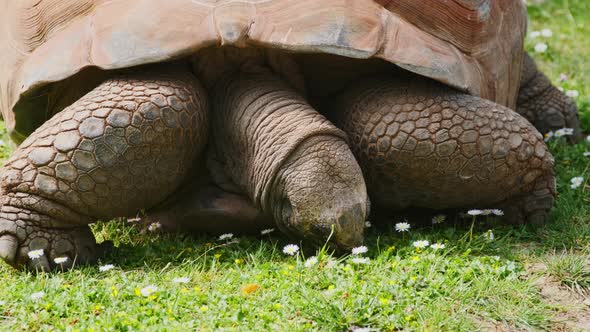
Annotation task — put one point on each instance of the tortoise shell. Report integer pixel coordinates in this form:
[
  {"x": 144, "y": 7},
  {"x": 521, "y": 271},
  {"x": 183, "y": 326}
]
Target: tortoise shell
[{"x": 473, "y": 45}]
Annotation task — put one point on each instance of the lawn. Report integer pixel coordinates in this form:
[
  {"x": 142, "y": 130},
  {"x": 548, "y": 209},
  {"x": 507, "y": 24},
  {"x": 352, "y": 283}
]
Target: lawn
[{"x": 489, "y": 277}]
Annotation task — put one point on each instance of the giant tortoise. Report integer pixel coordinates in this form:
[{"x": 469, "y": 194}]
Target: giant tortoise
[{"x": 232, "y": 115}]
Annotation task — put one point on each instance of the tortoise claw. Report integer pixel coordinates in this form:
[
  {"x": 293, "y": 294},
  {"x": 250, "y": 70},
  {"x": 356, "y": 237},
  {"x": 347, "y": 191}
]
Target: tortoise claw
[{"x": 8, "y": 249}]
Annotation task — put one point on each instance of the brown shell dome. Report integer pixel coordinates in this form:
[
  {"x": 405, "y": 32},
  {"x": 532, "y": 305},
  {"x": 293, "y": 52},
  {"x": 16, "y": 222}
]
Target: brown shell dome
[{"x": 473, "y": 45}]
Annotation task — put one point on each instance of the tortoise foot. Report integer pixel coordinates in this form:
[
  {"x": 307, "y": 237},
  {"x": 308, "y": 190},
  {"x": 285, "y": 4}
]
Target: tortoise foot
[
  {"x": 534, "y": 207},
  {"x": 27, "y": 244},
  {"x": 547, "y": 108}
]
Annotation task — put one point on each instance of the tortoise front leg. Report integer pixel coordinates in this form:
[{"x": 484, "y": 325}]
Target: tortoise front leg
[
  {"x": 541, "y": 103},
  {"x": 423, "y": 144},
  {"x": 125, "y": 146}
]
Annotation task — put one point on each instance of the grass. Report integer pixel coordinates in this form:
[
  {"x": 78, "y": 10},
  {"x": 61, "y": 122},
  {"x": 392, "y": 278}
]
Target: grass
[{"x": 473, "y": 283}]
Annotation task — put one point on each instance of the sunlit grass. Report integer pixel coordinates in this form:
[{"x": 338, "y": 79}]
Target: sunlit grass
[{"x": 473, "y": 282}]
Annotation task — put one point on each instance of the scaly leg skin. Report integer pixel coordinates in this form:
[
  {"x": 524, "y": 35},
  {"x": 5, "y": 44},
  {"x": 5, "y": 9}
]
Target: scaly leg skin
[
  {"x": 125, "y": 146},
  {"x": 290, "y": 161},
  {"x": 422, "y": 144},
  {"x": 547, "y": 108}
]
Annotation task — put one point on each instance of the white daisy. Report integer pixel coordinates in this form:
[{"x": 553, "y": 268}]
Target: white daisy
[
  {"x": 37, "y": 296},
  {"x": 267, "y": 231},
  {"x": 402, "y": 227},
  {"x": 547, "y": 33},
  {"x": 60, "y": 260},
  {"x": 437, "y": 246},
  {"x": 360, "y": 260},
  {"x": 572, "y": 93},
  {"x": 439, "y": 219},
  {"x": 331, "y": 263},
  {"x": 359, "y": 250},
  {"x": 549, "y": 136},
  {"x": 541, "y": 48},
  {"x": 498, "y": 212},
  {"x": 311, "y": 261},
  {"x": 225, "y": 236},
  {"x": 105, "y": 268},
  {"x": 576, "y": 182},
  {"x": 291, "y": 249},
  {"x": 586, "y": 154},
  {"x": 34, "y": 254},
  {"x": 564, "y": 132},
  {"x": 474, "y": 212},
  {"x": 535, "y": 34},
  {"x": 148, "y": 290},
  {"x": 489, "y": 235},
  {"x": 486, "y": 212},
  {"x": 154, "y": 226},
  {"x": 421, "y": 244},
  {"x": 181, "y": 280}
]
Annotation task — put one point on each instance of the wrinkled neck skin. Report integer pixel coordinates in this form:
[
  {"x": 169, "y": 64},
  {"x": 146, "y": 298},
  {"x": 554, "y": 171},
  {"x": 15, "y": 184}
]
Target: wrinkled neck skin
[{"x": 286, "y": 157}]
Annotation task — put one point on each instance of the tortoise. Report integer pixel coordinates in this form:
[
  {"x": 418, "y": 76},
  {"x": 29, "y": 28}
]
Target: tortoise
[{"x": 224, "y": 115}]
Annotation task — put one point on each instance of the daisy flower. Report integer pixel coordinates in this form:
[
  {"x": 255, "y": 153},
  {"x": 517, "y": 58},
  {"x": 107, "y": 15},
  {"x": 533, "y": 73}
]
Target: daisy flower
[
  {"x": 586, "y": 154},
  {"x": 576, "y": 182},
  {"x": 437, "y": 246},
  {"x": 37, "y": 296},
  {"x": 541, "y": 48},
  {"x": 562, "y": 77},
  {"x": 267, "y": 231},
  {"x": 154, "y": 226},
  {"x": 498, "y": 212},
  {"x": 489, "y": 235},
  {"x": 359, "y": 250},
  {"x": 535, "y": 34},
  {"x": 34, "y": 254},
  {"x": 572, "y": 93},
  {"x": 290, "y": 249},
  {"x": 421, "y": 244},
  {"x": 105, "y": 268},
  {"x": 60, "y": 260},
  {"x": 439, "y": 219},
  {"x": 331, "y": 263},
  {"x": 549, "y": 136},
  {"x": 474, "y": 212},
  {"x": 225, "y": 236},
  {"x": 181, "y": 280},
  {"x": 311, "y": 261},
  {"x": 360, "y": 260},
  {"x": 402, "y": 227},
  {"x": 564, "y": 132},
  {"x": 148, "y": 290},
  {"x": 547, "y": 33}
]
